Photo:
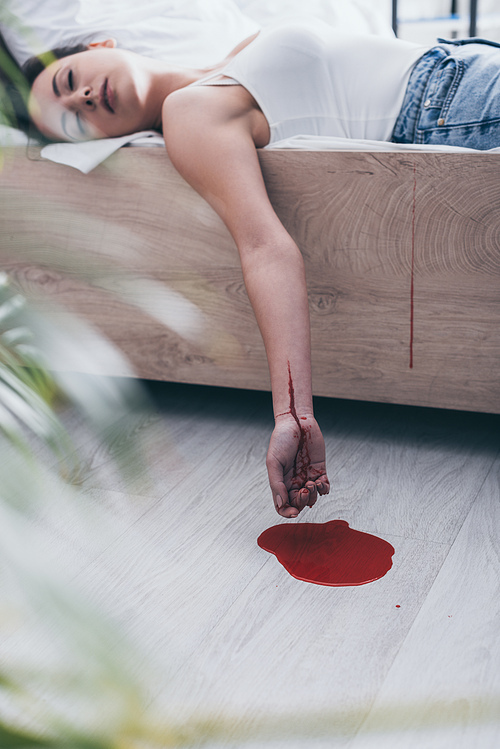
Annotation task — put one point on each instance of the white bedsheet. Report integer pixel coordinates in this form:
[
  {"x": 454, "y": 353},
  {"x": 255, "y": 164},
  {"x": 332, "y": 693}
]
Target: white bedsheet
[
  {"x": 191, "y": 32},
  {"x": 195, "y": 32},
  {"x": 85, "y": 157},
  {"x": 319, "y": 143}
]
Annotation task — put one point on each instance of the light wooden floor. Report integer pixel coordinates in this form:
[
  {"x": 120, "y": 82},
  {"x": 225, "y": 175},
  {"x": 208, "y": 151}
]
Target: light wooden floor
[{"x": 287, "y": 663}]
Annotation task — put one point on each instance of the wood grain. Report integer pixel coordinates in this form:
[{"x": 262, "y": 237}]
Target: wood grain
[
  {"x": 453, "y": 695},
  {"x": 268, "y": 660},
  {"x": 76, "y": 239}
]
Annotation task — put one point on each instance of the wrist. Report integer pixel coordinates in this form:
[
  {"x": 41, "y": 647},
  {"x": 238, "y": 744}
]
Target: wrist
[
  {"x": 292, "y": 391},
  {"x": 299, "y": 414}
]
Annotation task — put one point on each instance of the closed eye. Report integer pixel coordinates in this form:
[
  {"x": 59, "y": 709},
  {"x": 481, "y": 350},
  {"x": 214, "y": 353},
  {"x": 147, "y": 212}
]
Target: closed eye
[
  {"x": 67, "y": 125},
  {"x": 70, "y": 80},
  {"x": 79, "y": 123}
]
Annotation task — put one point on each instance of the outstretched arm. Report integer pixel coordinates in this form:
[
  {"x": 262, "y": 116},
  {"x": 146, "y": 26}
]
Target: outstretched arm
[{"x": 219, "y": 159}]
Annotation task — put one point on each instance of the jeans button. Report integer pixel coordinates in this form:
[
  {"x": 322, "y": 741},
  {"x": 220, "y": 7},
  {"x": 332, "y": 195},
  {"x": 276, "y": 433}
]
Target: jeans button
[
  {"x": 427, "y": 103},
  {"x": 440, "y": 121}
]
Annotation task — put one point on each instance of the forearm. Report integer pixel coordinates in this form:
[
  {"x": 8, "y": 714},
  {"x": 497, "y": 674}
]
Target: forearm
[
  {"x": 275, "y": 281},
  {"x": 215, "y": 152},
  {"x": 220, "y": 161}
]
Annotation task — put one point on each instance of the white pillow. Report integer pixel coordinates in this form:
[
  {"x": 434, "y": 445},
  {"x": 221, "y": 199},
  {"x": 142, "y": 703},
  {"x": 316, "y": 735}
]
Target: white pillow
[
  {"x": 187, "y": 32},
  {"x": 352, "y": 16},
  {"x": 9, "y": 136}
]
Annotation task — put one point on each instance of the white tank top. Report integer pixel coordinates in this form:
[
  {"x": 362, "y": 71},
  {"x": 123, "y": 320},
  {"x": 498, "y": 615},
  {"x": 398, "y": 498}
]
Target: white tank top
[{"x": 309, "y": 79}]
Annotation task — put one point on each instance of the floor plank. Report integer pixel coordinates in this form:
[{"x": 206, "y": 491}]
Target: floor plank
[
  {"x": 225, "y": 630},
  {"x": 418, "y": 474},
  {"x": 443, "y": 689},
  {"x": 290, "y": 646}
]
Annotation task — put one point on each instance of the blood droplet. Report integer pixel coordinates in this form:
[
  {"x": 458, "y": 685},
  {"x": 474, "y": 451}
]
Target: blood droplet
[{"x": 328, "y": 553}]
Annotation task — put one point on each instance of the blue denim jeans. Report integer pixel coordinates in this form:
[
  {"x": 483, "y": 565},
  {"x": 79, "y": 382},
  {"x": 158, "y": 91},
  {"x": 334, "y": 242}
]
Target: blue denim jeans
[{"x": 453, "y": 96}]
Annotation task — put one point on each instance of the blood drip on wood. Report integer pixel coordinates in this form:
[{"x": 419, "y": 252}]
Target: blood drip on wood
[
  {"x": 329, "y": 553},
  {"x": 412, "y": 282}
]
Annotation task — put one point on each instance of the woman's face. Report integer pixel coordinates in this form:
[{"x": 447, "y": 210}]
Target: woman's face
[{"x": 98, "y": 93}]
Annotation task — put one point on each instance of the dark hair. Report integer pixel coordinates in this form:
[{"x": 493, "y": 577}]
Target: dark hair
[
  {"x": 31, "y": 69},
  {"x": 37, "y": 64}
]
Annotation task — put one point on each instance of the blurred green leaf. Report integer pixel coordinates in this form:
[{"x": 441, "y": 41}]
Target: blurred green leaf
[
  {"x": 27, "y": 389},
  {"x": 11, "y": 70},
  {"x": 96, "y": 674},
  {"x": 11, "y": 738}
]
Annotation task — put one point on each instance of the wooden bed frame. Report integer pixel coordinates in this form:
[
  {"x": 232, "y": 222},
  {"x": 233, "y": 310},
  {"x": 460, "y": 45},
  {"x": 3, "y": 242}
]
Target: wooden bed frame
[{"x": 402, "y": 256}]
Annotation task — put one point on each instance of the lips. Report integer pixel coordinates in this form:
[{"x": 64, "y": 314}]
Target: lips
[{"x": 106, "y": 97}]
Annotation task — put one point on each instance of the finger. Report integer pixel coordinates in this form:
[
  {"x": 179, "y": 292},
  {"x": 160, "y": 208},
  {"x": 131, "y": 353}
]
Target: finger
[
  {"x": 302, "y": 499},
  {"x": 280, "y": 496},
  {"x": 312, "y": 493},
  {"x": 297, "y": 499},
  {"x": 285, "y": 507},
  {"x": 278, "y": 488},
  {"x": 312, "y": 502},
  {"x": 323, "y": 485},
  {"x": 288, "y": 512}
]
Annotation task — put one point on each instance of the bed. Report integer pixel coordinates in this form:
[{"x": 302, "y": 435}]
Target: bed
[{"x": 401, "y": 248}]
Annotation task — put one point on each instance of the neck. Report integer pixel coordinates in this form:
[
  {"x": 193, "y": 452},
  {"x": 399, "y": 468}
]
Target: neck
[{"x": 162, "y": 79}]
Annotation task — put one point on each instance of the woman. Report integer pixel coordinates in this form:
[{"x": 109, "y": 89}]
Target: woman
[{"x": 291, "y": 79}]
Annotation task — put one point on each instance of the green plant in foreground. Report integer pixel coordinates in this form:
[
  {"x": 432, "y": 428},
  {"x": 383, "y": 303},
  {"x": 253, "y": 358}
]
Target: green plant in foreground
[
  {"x": 82, "y": 683},
  {"x": 95, "y": 652},
  {"x": 27, "y": 390}
]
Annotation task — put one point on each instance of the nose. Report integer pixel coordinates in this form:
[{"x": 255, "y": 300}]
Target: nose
[
  {"x": 83, "y": 97},
  {"x": 87, "y": 97}
]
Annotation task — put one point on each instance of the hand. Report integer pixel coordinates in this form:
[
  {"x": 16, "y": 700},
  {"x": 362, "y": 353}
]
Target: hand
[{"x": 296, "y": 464}]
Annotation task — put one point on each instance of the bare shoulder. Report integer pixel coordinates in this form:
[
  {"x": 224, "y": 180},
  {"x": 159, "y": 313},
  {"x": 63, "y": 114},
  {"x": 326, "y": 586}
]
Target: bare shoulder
[
  {"x": 213, "y": 102},
  {"x": 210, "y": 139},
  {"x": 201, "y": 107}
]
